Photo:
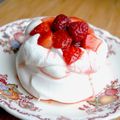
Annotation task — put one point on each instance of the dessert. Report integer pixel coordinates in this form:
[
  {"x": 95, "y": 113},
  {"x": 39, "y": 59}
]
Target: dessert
[{"x": 62, "y": 60}]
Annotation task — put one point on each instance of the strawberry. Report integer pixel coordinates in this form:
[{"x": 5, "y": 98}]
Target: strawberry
[
  {"x": 60, "y": 22},
  {"x": 90, "y": 31},
  {"x": 75, "y": 19},
  {"x": 41, "y": 29},
  {"x": 45, "y": 40},
  {"x": 77, "y": 44},
  {"x": 78, "y": 30},
  {"x": 48, "y": 20},
  {"x": 91, "y": 42},
  {"x": 72, "y": 54},
  {"x": 61, "y": 39}
]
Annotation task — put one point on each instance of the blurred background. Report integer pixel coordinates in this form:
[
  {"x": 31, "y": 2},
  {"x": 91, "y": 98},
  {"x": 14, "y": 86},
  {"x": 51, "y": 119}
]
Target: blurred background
[{"x": 101, "y": 13}]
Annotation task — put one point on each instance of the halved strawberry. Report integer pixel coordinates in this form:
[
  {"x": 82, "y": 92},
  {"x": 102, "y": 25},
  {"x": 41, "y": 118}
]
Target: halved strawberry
[
  {"x": 48, "y": 20},
  {"x": 76, "y": 19},
  {"x": 45, "y": 40},
  {"x": 90, "y": 30},
  {"x": 41, "y": 29},
  {"x": 91, "y": 42},
  {"x": 61, "y": 39},
  {"x": 72, "y": 54},
  {"x": 78, "y": 30}
]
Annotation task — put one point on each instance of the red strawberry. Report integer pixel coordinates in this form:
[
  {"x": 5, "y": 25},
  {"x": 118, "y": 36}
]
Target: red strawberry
[
  {"x": 45, "y": 40},
  {"x": 60, "y": 22},
  {"x": 77, "y": 44},
  {"x": 72, "y": 54},
  {"x": 41, "y": 29},
  {"x": 61, "y": 39},
  {"x": 48, "y": 20},
  {"x": 78, "y": 30},
  {"x": 91, "y": 42},
  {"x": 75, "y": 19},
  {"x": 90, "y": 31}
]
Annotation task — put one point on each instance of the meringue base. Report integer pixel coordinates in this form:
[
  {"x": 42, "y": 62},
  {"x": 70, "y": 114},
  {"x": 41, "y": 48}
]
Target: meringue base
[{"x": 73, "y": 88}]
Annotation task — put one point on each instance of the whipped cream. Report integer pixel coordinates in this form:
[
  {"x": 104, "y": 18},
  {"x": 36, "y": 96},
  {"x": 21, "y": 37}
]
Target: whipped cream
[
  {"x": 51, "y": 62},
  {"x": 48, "y": 61},
  {"x": 45, "y": 74}
]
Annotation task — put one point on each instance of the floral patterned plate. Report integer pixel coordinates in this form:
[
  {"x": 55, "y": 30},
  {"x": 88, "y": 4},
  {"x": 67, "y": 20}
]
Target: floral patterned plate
[{"x": 15, "y": 100}]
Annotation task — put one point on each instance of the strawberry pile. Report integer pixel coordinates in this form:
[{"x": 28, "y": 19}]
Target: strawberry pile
[{"x": 69, "y": 34}]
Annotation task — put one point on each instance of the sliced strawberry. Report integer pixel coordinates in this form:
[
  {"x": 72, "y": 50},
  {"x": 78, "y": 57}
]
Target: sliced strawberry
[
  {"x": 48, "y": 20},
  {"x": 76, "y": 19},
  {"x": 91, "y": 42},
  {"x": 72, "y": 54},
  {"x": 90, "y": 30},
  {"x": 41, "y": 29},
  {"x": 61, "y": 39},
  {"x": 45, "y": 40}
]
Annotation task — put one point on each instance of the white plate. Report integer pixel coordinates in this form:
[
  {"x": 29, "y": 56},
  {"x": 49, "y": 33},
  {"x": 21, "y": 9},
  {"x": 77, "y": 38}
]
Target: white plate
[{"x": 15, "y": 100}]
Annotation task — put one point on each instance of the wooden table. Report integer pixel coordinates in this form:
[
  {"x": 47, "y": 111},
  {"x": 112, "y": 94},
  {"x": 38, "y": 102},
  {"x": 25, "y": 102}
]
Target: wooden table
[{"x": 102, "y": 13}]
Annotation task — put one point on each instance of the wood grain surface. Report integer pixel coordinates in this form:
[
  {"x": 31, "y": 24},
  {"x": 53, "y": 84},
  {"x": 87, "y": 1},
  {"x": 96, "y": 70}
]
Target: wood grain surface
[{"x": 102, "y": 13}]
